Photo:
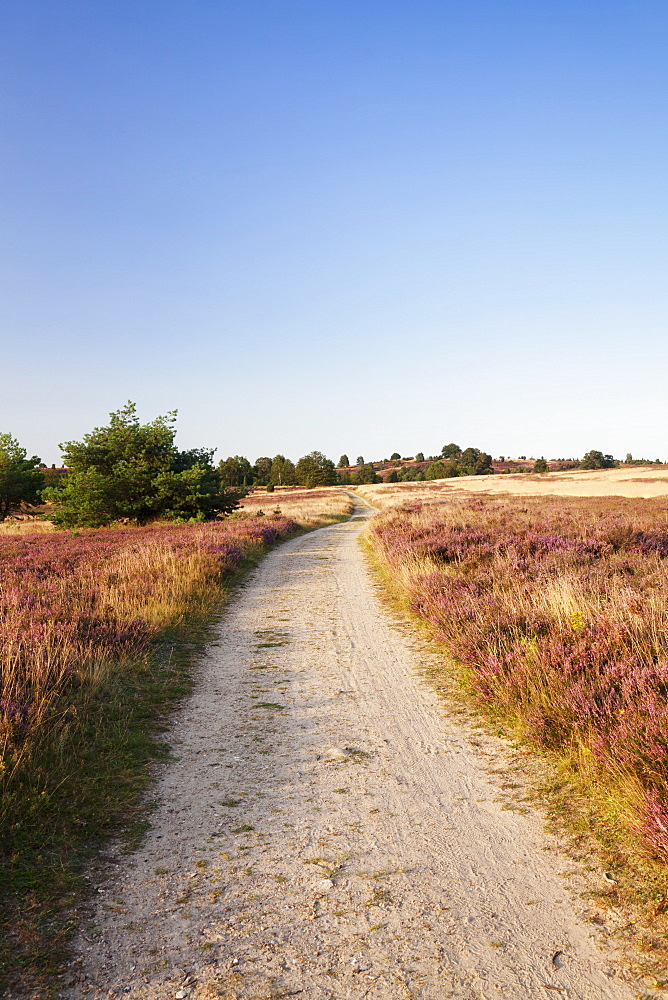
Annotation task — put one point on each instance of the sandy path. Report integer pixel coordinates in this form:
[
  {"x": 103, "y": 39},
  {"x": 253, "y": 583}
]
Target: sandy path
[{"x": 282, "y": 864}]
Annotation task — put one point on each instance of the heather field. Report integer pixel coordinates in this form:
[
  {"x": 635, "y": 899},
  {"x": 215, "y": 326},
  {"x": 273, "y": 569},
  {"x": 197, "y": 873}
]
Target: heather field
[
  {"x": 97, "y": 630},
  {"x": 73, "y": 607},
  {"x": 553, "y": 613}
]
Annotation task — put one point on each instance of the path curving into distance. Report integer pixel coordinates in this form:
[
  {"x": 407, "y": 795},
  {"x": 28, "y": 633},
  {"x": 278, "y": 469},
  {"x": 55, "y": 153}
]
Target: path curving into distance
[{"x": 327, "y": 832}]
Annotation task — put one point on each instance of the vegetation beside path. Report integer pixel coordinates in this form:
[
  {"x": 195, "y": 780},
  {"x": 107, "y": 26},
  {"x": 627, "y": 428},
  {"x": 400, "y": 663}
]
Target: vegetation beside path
[
  {"x": 551, "y": 613},
  {"x": 98, "y": 634}
]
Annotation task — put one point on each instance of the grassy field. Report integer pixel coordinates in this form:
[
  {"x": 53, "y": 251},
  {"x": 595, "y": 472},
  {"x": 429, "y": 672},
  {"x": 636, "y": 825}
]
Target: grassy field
[
  {"x": 310, "y": 507},
  {"x": 99, "y": 632},
  {"x": 552, "y": 614},
  {"x": 626, "y": 481}
]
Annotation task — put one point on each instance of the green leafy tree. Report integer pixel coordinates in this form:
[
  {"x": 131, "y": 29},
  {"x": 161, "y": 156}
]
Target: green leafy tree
[
  {"x": 344, "y": 462},
  {"x": 282, "y": 471},
  {"x": 419, "y": 457},
  {"x": 451, "y": 450},
  {"x": 392, "y": 476},
  {"x": 395, "y": 457},
  {"x": 597, "y": 460},
  {"x": 473, "y": 462},
  {"x": 437, "y": 470},
  {"x": 364, "y": 475},
  {"x": 540, "y": 465},
  {"x": 236, "y": 471},
  {"x": 132, "y": 471},
  {"x": 262, "y": 470},
  {"x": 315, "y": 469},
  {"x": 360, "y": 460},
  {"x": 21, "y": 479}
]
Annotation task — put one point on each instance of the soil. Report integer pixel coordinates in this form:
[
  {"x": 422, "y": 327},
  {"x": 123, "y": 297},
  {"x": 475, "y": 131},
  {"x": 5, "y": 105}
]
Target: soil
[{"x": 329, "y": 829}]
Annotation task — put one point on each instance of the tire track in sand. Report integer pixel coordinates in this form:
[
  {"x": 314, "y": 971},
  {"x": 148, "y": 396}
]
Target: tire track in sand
[{"x": 325, "y": 832}]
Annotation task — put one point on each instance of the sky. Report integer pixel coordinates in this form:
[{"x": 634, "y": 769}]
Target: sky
[{"x": 358, "y": 226}]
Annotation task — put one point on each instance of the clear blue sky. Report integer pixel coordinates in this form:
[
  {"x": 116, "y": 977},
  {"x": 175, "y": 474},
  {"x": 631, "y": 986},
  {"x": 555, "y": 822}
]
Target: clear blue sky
[{"x": 348, "y": 225}]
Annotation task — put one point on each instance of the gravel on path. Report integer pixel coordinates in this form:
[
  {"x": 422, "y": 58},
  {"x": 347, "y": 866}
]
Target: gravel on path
[{"x": 327, "y": 831}]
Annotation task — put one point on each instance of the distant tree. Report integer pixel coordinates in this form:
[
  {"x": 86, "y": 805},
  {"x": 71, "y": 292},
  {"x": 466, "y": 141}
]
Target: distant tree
[
  {"x": 315, "y": 469},
  {"x": 344, "y": 462},
  {"x": 262, "y": 470},
  {"x": 522, "y": 458},
  {"x": 236, "y": 471},
  {"x": 270, "y": 487},
  {"x": 629, "y": 457},
  {"x": 437, "y": 470},
  {"x": 392, "y": 476},
  {"x": 420, "y": 477},
  {"x": 360, "y": 460},
  {"x": 540, "y": 465},
  {"x": 282, "y": 471},
  {"x": 473, "y": 462},
  {"x": 343, "y": 477},
  {"x": 597, "y": 460},
  {"x": 395, "y": 457},
  {"x": 364, "y": 475},
  {"x": 21, "y": 479},
  {"x": 451, "y": 450},
  {"x": 133, "y": 471},
  {"x": 419, "y": 457},
  {"x": 407, "y": 475}
]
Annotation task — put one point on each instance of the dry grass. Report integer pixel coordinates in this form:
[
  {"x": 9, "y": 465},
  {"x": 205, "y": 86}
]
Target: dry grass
[
  {"x": 25, "y": 526},
  {"x": 627, "y": 481},
  {"x": 309, "y": 508}
]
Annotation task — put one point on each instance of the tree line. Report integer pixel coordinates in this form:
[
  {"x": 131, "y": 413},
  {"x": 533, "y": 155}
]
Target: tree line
[{"x": 128, "y": 471}]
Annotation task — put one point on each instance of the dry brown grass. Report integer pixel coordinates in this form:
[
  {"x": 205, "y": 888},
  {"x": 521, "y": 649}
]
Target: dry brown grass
[
  {"x": 26, "y": 526},
  {"x": 308, "y": 507},
  {"x": 628, "y": 481}
]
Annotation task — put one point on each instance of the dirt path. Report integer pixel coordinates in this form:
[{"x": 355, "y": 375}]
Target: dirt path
[{"x": 327, "y": 832}]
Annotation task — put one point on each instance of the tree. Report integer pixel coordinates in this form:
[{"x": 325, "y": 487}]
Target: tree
[
  {"x": 344, "y": 462},
  {"x": 262, "y": 470},
  {"x": 597, "y": 460},
  {"x": 20, "y": 477},
  {"x": 451, "y": 450},
  {"x": 282, "y": 471},
  {"x": 437, "y": 470},
  {"x": 392, "y": 477},
  {"x": 540, "y": 465},
  {"x": 365, "y": 474},
  {"x": 133, "y": 471},
  {"x": 395, "y": 457},
  {"x": 473, "y": 462},
  {"x": 315, "y": 469},
  {"x": 236, "y": 471},
  {"x": 360, "y": 460},
  {"x": 419, "y": 457}
]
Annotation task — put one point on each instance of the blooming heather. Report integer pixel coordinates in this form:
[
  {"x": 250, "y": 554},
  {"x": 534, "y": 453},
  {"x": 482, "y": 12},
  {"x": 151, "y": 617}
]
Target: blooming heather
[
  {"x": 556, "y": 610},
  {"x": 72, "y": 605}
]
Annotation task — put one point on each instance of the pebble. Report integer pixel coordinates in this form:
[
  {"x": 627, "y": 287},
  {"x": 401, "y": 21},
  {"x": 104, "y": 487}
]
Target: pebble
[{"x": 325, "y": 884}]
